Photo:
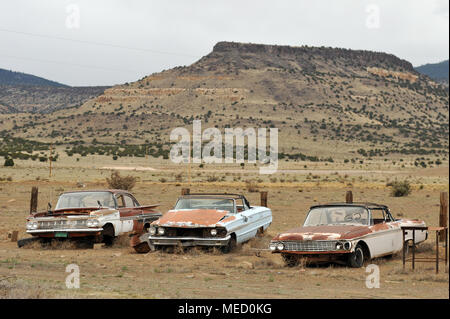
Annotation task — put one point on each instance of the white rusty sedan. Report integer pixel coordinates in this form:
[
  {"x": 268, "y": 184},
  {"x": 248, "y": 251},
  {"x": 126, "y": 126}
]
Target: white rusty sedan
[
  {"x": 214, "y": 220},
  {"x": 345, "y": 233},
  {"x": 88, "y": 217}
]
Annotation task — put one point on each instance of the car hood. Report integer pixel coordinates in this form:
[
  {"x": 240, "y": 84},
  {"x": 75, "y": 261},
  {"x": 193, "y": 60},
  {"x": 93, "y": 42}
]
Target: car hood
[
  {"x": 192, "y": 218},
  {"x": 68, "y": 211},
  {"x": 326, "y": 232}
]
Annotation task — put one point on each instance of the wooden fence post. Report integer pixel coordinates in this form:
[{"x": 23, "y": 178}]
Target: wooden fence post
[
  {"x": 263, "y": 199},
  {"x": 443, "y": 220},
  {"x": 185, "y": 191},
  {"x": 349, "y": 197},
  {"x": 34, "y": 199},
  {"x": 14, "y": 235}
]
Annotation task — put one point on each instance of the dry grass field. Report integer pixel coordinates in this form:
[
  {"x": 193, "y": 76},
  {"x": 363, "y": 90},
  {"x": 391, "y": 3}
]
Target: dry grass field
[{"x": 118, "y": 272}]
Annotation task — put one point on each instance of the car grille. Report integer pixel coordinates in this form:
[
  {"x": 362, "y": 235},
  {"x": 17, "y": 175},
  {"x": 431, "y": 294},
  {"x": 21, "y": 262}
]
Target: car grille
[
  {"x": 192, "y": 232},
  {"x": 313, "y": 245},
  {"x": 59, "y": 224}
]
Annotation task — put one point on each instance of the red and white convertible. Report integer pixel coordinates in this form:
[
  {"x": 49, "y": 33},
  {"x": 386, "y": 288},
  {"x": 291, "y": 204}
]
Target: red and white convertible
[{"x": 345, "y": 233}]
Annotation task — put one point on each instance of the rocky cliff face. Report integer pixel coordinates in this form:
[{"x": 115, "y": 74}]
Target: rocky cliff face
[{"x": 305, "y": 54}]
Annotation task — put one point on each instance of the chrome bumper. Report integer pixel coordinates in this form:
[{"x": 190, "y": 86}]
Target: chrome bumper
[
  {"x": 187, "y": 241},
  {"x": 64, "y": 230}
]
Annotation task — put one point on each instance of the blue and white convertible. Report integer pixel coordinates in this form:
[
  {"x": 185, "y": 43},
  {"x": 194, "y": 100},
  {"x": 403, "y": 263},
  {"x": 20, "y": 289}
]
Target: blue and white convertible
[{"x": 214, "y": 220}]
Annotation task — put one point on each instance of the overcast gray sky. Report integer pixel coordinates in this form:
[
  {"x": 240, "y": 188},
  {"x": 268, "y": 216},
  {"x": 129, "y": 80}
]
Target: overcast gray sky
[{"x": 105, "y": 42}]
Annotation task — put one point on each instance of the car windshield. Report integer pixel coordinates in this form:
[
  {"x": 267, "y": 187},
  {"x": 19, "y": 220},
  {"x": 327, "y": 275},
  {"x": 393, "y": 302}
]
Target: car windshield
[
  {"x": 337, "y": 215},
  {"x": 206, "y": 203},
  {"x": 85, "y": 199}
]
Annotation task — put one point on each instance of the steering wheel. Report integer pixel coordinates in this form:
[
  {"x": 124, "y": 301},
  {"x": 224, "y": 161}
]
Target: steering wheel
[{"x": 353, "y": 217}]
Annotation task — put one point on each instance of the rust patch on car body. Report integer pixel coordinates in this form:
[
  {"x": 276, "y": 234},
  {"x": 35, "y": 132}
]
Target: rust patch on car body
[
  {"x": 227, "y": 220},
  {"x": 328, "y": 232},
  {"x": 67, "y": 211},
  {"x": 191, "y": 218}
]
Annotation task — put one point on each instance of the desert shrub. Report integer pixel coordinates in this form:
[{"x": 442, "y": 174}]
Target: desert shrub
[
  {"x": 400, "y": 189},
  {"x": 121, "y": 182},
  {"x": 179, "y": 177},
  {"x": 9, "y": 162},
  {"x": 252, "y": 187},
  {"x": 212, "y": 178}
]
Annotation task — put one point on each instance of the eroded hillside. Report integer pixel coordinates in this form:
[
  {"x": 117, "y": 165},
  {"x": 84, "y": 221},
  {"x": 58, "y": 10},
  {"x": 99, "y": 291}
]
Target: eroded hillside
[{"x": 325, "y": 102}]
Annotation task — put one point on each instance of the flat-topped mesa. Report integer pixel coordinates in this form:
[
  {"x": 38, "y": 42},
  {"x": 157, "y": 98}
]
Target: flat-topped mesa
[{"x": 366, "y": 58}]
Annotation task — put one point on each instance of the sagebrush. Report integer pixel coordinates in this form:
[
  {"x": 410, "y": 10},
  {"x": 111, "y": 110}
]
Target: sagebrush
[{"x": 121, "y": 182}]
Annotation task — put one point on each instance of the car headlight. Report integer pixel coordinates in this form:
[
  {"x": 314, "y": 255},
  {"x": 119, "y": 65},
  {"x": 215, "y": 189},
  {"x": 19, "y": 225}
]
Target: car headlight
[
  {"x": 273, "y": 246},
  {"x": 213, "y": 232},
  {"x": 32, "y": 225},
  {"x": 152, "y": 230},
  {"x": 161, "y": 231},
  {"x": 92, "y": 223},
  {"x": 280, "y": 246},
  {"x": 347, "y": 245},
  {"x": 339, "y": 246}
]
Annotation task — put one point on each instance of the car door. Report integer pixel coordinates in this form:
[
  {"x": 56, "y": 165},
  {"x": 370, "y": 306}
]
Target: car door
[
  {"x": 249, "y": 218},
  {"x": 386, "y": 236},
  {"x": 128, "y": 208}
]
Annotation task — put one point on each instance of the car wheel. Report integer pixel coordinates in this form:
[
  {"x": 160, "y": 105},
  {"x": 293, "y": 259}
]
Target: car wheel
[
  {"x": 356, "y": 258},
  {"x": 291, "y": 260},
  {"x": 260, "y": 232},
  {"x": 108, "y": 235},
  {"x": 231, "y": 245}
]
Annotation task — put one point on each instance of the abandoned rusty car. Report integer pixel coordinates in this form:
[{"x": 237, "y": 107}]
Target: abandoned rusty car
[
  {"x": 345, "y": 233},
  {"x": 88, "y": 217},
  {"x": 213, "y": 220}
]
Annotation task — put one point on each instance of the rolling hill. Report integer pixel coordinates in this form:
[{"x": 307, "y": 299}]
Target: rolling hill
[
  {"x": 436, "y": 71},
  {"x": 17, "y": 78},
  {"x": 44, "y": 99},
  {"x": 21, "y": 92}
]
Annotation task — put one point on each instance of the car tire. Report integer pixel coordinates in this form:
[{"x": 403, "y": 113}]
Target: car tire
[
  {"x": 291, "y": 260},
  {"x": 260, "y": 232},
  {"x": 356, "y": 258},
  {"x": 108, "y": 235},
  {"x": 231, "y": 245}
]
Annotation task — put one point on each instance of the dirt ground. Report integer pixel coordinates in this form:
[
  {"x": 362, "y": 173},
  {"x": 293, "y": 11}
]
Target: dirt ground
[{"x": 249, "y": 272}]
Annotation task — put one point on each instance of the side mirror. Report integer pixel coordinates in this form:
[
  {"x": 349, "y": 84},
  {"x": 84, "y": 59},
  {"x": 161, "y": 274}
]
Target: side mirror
[
  {"x": 245, "y": 219},
  {"x": 49, "y": 208}
]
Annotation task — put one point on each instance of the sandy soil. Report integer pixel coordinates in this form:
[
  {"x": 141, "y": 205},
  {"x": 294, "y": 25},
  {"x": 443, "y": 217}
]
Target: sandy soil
[
  {"x": 129, "y": 168},
  {"x": 250, "y": 272}
]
